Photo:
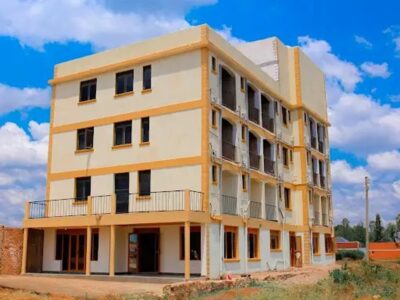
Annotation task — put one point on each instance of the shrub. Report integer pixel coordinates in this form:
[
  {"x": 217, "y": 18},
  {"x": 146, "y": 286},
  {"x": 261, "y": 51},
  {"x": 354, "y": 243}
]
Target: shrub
[
  {"x": 351, "y": 254},
  {"x": 340, "y": 276}
]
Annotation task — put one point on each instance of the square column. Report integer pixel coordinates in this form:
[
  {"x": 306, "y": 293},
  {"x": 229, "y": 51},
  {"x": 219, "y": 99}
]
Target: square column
[
  {"x": 24, "y": 251},
  {"x": 88, "y": 250},
  {"x": 187, "y": 250},
  {"x": 112, "y": 251}
]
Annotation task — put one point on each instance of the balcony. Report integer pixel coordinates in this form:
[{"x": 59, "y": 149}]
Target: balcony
[
  {"x": 269, "y": 124},
  {"x": 254, "y": 115},
  {"x": 317, "y": 218},
  {"x": 228, "y": 150},
  {"x": 314, "y": 142},
  {"x": 255, "y": 209},
  {"x": 254, "y": 160},
  {"x": 228, "y": 205},
  {"x": 270, "y": 212},
  {"x": 165, "y": 201},
  {"x": 315, "y": 179},
  {"x": 269, "y": 166},
  {"x": 321, "y": 146},
  {"x": 322, "y": 181}
]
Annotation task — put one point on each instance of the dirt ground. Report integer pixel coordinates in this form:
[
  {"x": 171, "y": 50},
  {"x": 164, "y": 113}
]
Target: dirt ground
[{"x": 78, "y": 287}]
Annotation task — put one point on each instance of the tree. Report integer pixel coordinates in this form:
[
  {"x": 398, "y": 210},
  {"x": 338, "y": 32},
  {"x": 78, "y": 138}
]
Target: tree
[
  {"x": 359, "y": 233},
  {"x": 398, "y": 223},
  {"x": 378, "y": 229},
  {"x": 390, "y": 232}
]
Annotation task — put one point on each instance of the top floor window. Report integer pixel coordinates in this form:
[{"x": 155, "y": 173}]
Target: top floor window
[
  {"x": 124, "y": 82},
  {"x": 123, "y": 133},
  {"x": 147, "y": 77},
  {"x": 284, "y": 115},
  {"x": 286, "y": 195},
  {"x": 213, "y": 64},
  {"x": 88, "y": 90}
]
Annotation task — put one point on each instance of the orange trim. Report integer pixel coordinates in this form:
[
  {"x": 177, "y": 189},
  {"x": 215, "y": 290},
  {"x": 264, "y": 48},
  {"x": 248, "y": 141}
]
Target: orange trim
[{"x": 79, "y": 151}]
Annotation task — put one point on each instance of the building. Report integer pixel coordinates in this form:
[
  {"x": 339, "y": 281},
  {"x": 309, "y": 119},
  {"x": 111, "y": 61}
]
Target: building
[
  {"x": 183, "y": 154},
  {"x": 344, "y": 244}
]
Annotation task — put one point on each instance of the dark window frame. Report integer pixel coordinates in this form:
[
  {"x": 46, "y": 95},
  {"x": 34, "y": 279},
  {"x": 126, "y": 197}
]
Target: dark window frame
[
  {"x": 144, "y": 187},
  {"x": 275, "y": 240},
  {"x": 147, "y": 76},
  {"x": 88, "y": 90},
  {"x": 126, "y": 78},
  {"x": 195, "y": 243},
  {"x": 214, "y": 174},
  {"x": 126, "y": 131},
  {"x": 287, "y": 197},
  {"x": 213, "y": 64},
  {"x": 88, "y": 138},
  {"x": 230, "y": 243},
  {"x": 145, "y": 130},
  {"x": 284, "y": 116},
  {"x": 85, "y": 184},
  {"x": 253, "y": 243}
]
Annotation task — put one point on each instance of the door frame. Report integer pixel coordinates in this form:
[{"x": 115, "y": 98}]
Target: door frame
[
  {"x": 297, "y": 239},
  {"x": 138, "y": 231},
  {"x": 75, "y": 232}
]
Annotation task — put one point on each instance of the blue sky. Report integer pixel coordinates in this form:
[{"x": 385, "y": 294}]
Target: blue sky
[{"x": 356, "y": 43}]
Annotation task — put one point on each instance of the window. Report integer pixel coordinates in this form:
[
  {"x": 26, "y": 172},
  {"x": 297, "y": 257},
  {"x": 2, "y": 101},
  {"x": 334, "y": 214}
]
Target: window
[
  {"x": 88, "y": 90},
  {"x": 144, "y": 182},
  {"x": 315, "y": 240},
  {"x": 275, "y": 238},
  {"x": 308, "y": 157},
  {"x": 242, "y": 84},
  {"x": 214, "y": 118},
  {"x": 124, "y": 82},
  {"x": 147, "y": 77},
  {"x": 279, "y": 192},
  {"x": 230, "y": 242},
  {"x": 59, "y": 245},
  {"x": 82, "y": 188},
  {"x": 285, "y": 154},
  {"x": 289, "y": 116},
  {"x": 252, "y": 243},
  {"x": 85, "y": 138},
  {"x": 291, "y": 156},
  {"x": 276, "y": 108},
  {"x": 284, "y": 116},
  {"x": 213, "y": 64},
  {"x": 214, "y": 174},
  {"x": 195, "y": 243},
  {"x": 145, "y": 132},
  {"x": 328, "y": 244},
  {"x": 278, "y": 152},
  {"x": 122, "y": 133},
  {"x": 244, "y": 182},
  {"x": 286, "y": 195},
  {"x": 244, "y": 133},
  {"x": 94, "y": 255}
]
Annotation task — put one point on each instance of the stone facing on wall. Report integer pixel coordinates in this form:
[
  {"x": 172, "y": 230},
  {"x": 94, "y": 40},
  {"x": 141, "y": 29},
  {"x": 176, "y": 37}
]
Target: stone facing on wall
[{"x": 11, "y": 240}]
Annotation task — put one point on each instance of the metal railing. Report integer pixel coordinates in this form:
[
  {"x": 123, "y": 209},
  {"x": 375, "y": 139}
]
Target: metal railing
[
  {"x": 268, "y": 123},
  {"x": 228, "y": 150},
  {"x": 254, "y": 160},
  {"x": 270, "y": 212},
  {"x": 228, "y": 205},
  {"x": 177, "y": 200},
  {"x": 255, "y": 209},
  {"x": 269, "y": 166},
  {"x": 317, "y": 218}
]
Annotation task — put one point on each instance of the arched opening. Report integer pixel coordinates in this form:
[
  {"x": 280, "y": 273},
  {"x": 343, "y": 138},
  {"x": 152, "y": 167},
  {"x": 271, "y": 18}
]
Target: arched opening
[
  {"x": 228, "y": 144},
  {"x": 253, "y": 152},
  {"x": 228, "y": 89},
  {"x": 269, "y": 164},
  {"x": 267, "y": 113},
  {"x": 254, "y": 113}
]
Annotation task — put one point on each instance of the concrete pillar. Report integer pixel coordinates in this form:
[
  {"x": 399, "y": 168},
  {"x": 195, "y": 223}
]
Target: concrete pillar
[
  {"x": 187, "y": 250},
  {"x": 24, "y": 251},
  {"x": 112, "y": 251},
  {"x": 88, "y": 249}
]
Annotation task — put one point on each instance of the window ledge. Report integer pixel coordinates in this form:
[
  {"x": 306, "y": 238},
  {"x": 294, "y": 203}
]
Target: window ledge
[
  {"x": 329, "y": 254},
  {"x": 78, "y": 151},
  {"x": 144, "y": 144},
  {"x": 317, "y": 254},
  {"x": 254, "y": 259},
  {"x": 115, "y": 147},
  {"x": 116, "y": 96},
  {"x": 87, "y": 102},
  {"x": 146, "y": 91},
  {"x": 276, "y": 250},
  {"x": 147, "y": 197},
  {"x": 231, "y": 260},
  {"x": 79, "y": 202},
  {"x": 214, "y": 71},
  {"x": 214, "y": 126}
]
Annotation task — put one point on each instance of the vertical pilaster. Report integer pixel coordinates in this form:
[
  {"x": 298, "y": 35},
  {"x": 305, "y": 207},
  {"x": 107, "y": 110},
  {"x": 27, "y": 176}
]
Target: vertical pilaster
[
  {"x": 112, "y": 251},
  {"x": 88, "y": 250},
  {"x": 187, "y": 250},
  {"x": 24, "y": 251}
]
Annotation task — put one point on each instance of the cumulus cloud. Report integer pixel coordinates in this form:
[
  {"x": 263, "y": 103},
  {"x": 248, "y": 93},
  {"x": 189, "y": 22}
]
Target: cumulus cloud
[
  {"x": 12, "y": 98},
  {"x": 343, "y": 173},
  {"x": 363, "y": 41},
  {"x": 394, "y": 32},
  {"x": 385, "y": 161},
  {"x": 376, "y": 70},
  {"x": 102, "y": 23},
  {"x": 226, "y": 33}
]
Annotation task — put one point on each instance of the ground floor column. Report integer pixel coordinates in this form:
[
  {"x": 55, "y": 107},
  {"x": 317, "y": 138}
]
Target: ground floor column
[
  {"x": 88, "y": 250},
  {"x": 24, "y": 251},
  {"x": 112, "y": 251},
  {"x": 187, "y": 250}
]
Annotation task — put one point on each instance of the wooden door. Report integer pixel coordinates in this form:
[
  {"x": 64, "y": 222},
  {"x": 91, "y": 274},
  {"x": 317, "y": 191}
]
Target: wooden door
[
  {"x": 34, "y": 260},
  {"x": 77, "y": 252}
]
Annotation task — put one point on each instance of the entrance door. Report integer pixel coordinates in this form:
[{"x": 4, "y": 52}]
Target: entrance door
[
  {"x": 122, "y": 192},
  {"x": 295, "y": 251},
  {"x": 34, "y": 260},
  {"x": 148, "y": 243},
  {"x": 74, "y": 250}
]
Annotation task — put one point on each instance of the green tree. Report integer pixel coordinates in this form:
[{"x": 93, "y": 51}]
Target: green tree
[
  {"x": 378, "y": 229},
  {"x": 359, "y": 233},
  {"x": 344, "y": 230},
  {"x": 390, "y": 232},
  {"x": 398, "y": 223}
]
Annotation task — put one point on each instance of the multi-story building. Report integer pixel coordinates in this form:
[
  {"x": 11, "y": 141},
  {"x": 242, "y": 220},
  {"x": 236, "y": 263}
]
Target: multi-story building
[{"x": 184, "y": 154}]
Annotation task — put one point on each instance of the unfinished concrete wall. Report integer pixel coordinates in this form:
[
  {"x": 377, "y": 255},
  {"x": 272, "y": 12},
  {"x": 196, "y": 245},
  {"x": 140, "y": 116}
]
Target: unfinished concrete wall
[{"x": 10, "y": 250}]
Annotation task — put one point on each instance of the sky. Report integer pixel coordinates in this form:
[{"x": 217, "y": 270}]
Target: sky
[{"x": 356, "y": 43}]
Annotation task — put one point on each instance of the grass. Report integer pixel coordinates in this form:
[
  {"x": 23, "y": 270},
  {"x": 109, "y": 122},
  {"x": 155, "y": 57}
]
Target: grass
[{"x": 355, "y": 280}]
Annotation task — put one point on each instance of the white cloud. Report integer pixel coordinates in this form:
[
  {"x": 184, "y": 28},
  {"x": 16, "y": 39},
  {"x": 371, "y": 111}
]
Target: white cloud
[
  {"x": 12, "y": 98},
  {"x": 394, "y": 32},
  {"x": 343, "y": 173},
  {"x": 338, "y": 71},
  {"x": 363, "y": 41},
  {"x": 385, "y": 161},
  {"x": 376, "y": 70},
  {"x": 394, "y": 98},
  {"x": 103, "y": 24},
  {"x": 226, "y": 33}
]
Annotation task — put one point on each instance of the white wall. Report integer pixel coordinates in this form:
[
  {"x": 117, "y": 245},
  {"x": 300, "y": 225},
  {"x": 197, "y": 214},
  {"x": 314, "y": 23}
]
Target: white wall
[{"x": 50, "y": 264}]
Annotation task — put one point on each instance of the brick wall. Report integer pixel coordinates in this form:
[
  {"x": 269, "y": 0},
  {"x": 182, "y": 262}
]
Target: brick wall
[{"x": 11, "y": 240}]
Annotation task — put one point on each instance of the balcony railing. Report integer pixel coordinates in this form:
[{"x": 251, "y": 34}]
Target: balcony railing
[
  {"x": 255, "y": 209},
  {"x": 317, "y": 218},
  {"x": 228, "y": 205},
  {"x": 178, "y": 200},
  {"x": 228, "y": 150},
  {"x": 270, "y": 212},
  {"x": 254, "y": 160},
  {"x": 325, "y": 220},
  {"x": 254, "y": 115},
  {"x": 269, "y": 166},
  {"x": 268, "y": 123}
]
